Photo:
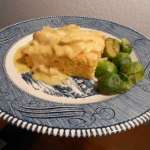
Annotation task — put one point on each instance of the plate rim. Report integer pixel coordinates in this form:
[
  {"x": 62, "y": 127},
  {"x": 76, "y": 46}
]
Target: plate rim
[
  {"x": 89, "y": 132},
  {"x": 83, "y": 17},
  {"x": 102, "y": 131}
]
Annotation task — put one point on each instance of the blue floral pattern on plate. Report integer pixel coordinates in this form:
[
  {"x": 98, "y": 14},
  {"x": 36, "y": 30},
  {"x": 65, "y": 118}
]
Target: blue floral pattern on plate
[{"x": 84, "y": 88}]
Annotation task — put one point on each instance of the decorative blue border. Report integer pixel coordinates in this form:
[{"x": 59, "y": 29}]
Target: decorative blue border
[
  {"x": 91, "y": 132},
  {"x": 108, "y": 130}
]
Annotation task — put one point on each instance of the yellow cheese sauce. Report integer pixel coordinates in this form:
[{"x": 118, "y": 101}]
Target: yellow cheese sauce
[
  {"x": 52, "y": 76},
  {"x": 68, "y": 41}
]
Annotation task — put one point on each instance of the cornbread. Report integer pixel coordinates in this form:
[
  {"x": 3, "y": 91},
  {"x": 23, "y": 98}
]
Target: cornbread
[{"x": 67, "y": 51}]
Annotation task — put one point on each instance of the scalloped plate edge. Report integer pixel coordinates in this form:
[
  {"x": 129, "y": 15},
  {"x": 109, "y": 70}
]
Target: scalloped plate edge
[{"x": 89, "y": 132}]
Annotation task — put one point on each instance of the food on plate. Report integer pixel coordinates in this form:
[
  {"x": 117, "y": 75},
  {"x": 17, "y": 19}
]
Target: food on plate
[
  {"x": 54, "y": 54},
  {"x": 127, "y": 75},
  {"x": 70, "y": 50},
  {"x": 111, "y": 83},
  {"x": 134, "y": 71},
  {"x": 122, "y": 59},
  {"x": 105, "y": 67},
  {"x": 112, "y": 47},
  {"x": 125, "y": 46}
]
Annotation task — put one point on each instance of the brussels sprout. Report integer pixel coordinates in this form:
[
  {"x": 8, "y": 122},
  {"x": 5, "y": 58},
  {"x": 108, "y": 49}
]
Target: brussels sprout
[
  {"x": 112, "y": 84},
  {"x": 136, "y": 77},
  {"x": 123, "y": 76},
  {"x": 134, "y": 71},
  {"x": 125, "y": 46},
  {"x": 132, "y": 68},
  {"x": 104, "y": 67},
  {"x": 126, "y": 85},
  {"x": 122, "y": 59},
  {"x": 112, "y": 47}
]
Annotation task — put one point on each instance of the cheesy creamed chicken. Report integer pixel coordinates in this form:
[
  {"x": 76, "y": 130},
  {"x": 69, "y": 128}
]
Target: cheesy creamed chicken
[{"x": 56, "y": 53}]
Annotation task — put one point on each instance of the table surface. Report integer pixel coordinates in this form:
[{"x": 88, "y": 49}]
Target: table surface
[
  {"x": 132, "y": 13},
  {"x": 16, "y": 138}
]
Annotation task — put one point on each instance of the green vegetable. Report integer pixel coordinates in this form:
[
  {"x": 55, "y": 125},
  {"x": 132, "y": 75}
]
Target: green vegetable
[
  {"x": 126, "y": 85},
  {"x": 136, "y": 77},
  {"x": 112, "y": 48},
  {"x": 134, "y": 71},
  {"x": 104, "y": 67},
  {"x": 119, "y": 74},
  {"x": 125, "y": 46},
  {"x": 122, "y": 59},
  {"x": 112, "y": 84}
]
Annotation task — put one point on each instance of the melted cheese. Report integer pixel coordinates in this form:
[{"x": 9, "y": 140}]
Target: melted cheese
[{"x": 69, "y": 41}]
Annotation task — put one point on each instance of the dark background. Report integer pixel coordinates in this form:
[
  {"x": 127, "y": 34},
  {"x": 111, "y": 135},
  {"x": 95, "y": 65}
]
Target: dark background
[
  {"x": 132, "y": 13},
  {"x": 12, "y": 138}
]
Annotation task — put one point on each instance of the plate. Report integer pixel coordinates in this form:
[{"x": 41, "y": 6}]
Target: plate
[{"x": 75, "y": 109}]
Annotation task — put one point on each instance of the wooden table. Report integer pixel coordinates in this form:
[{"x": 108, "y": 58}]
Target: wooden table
[
  {"x": 16, "y": 138},
  {"x": 137, "y": 139},
  {"x": 2, "y": 124},
  {"x": 132, "y": 13}
]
